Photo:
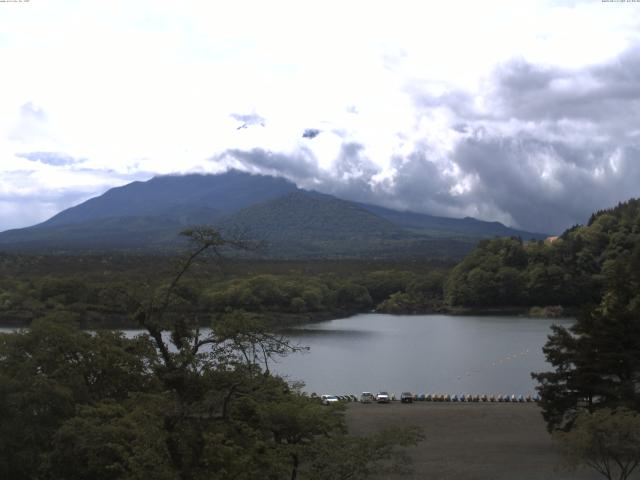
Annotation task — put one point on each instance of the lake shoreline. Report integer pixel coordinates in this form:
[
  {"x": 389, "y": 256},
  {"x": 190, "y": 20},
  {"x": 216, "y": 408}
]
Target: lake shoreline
[{"x": 284, "y": 320}]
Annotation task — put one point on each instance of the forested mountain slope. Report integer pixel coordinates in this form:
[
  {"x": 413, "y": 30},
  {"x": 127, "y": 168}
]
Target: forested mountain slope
[
  {"x": 148, "y": 216},
  {"x": 572, "y": 270}
]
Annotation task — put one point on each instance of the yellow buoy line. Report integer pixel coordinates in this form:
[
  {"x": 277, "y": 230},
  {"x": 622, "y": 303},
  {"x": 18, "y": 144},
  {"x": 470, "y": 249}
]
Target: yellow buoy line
[{"x": 496, "y": 363}]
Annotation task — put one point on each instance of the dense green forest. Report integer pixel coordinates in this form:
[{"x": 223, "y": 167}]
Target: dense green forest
[
  {"x": 590, "y": 398},
  {"x": 569, "y": 271},
  {"x": 185, "y": 404},
  {"x": 174, "y": 403},
  {"x": 101, "y": 290}
]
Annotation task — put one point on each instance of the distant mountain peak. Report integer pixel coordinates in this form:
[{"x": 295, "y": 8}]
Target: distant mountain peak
[{"x": 301, "y": 223}]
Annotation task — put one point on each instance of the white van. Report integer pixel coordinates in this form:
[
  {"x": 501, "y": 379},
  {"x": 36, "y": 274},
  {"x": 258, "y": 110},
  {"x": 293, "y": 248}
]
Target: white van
[{"x": 367, "y": 397}]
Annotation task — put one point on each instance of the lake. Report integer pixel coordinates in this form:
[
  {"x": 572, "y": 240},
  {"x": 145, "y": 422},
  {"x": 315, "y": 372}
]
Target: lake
[{"x": 419, "y": 353}]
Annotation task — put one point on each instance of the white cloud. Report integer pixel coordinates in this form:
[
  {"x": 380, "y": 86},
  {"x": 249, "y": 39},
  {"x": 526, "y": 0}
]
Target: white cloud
[{"x": 145, "y": 87}]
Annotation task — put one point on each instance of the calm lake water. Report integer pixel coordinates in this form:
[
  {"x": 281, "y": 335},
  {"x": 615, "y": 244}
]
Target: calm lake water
[{"x": 419, "y": 353}]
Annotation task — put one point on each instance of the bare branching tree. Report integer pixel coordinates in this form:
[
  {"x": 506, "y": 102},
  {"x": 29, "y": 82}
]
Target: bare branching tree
[{"x": 234, "y": 336}]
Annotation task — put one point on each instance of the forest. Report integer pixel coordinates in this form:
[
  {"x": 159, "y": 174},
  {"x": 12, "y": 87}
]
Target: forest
[
  {"x": 182, "y": 404},
  {"x": 174, "y": 403},
  {"x": 570, "y": 271},
  {"x": 100, "y": 289}
]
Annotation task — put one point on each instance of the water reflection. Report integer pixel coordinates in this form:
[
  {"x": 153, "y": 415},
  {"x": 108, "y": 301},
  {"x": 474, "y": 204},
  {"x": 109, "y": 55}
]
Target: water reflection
[
  {"x": 310, "y": 332},
  {"x": 423, "y": 353}
]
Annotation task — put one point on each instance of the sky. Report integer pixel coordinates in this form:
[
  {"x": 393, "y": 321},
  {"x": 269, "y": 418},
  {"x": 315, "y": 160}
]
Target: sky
[{"x": 524, "y": 112}]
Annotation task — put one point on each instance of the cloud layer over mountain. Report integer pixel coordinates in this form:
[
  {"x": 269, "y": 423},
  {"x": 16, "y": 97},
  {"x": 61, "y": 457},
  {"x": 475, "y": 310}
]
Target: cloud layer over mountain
[{"x": 529, "y": 117}]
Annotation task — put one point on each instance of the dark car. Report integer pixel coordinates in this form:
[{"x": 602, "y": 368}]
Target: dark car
[{"x": 406, "y": 397}]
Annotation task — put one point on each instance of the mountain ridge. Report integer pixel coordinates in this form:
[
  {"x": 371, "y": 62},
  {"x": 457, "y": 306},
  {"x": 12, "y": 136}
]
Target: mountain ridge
[{"x": 298, "y": 223}]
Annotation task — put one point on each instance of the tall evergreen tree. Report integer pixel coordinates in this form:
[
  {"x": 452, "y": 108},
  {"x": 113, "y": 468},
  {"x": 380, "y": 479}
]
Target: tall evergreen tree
[{"x": 597, "y": 360}]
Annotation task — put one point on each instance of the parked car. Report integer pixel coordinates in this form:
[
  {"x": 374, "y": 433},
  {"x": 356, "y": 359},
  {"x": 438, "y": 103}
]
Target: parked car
[
  {"x": 329, "y": 399},
  {"x": 406, "y": 397},
  {"x": 367, "y": 397},
  {"x": 383, "y": 397}
]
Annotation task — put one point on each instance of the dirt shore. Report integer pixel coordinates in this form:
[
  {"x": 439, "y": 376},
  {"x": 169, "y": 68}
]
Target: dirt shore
[{"x": 479, "y": 441}]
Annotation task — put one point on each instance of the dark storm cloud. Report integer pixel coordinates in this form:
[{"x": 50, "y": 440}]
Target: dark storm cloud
[
  {"x": 50, "y": 158},
  {"x": 421, "y": 185},
  {"x": 350, "y": 177},
  {"x": 607, "y": 94},
  {"x": 547, "y": 147},
  {"x": 520, "y": 181},
  {"x": 300, "y": 166},
  {"x": 540, "y": 149},
  {"x": 539, "y": 188},
  {"x": 311, "y": 133}
]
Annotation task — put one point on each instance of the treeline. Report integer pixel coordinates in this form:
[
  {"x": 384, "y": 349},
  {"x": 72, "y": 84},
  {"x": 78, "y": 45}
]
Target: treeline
[
  {"x": 102, "y": 290},
  {"x": 386, "y": 291},
  {"x": 571, "y": 270},
  {"x": 176, "y": 403}
]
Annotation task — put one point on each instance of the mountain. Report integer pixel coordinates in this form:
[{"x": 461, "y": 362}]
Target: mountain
[
  {"x": 185, "y": 198},
  {"x": 311, "y": 225},
  {"x": 443, "y": 226},
  {"x": 294, "y": 223}
]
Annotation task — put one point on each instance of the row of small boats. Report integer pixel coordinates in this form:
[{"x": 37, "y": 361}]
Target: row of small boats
[
  {"x": 439, "y": 397},
  {"x": 445, "y": 397}
]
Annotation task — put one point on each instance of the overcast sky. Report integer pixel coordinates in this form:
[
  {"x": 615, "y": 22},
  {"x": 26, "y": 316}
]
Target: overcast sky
[{"x": 523, "y": 112}]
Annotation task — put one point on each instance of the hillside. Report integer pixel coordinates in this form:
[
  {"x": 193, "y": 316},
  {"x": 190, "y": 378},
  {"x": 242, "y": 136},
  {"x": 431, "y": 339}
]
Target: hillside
[
  {"x": 305, "y": 224},
  {"x": 184, "y": 198},
  {"x": 571, "y": 271},
  {"x": 295, "y": 223},
  {"x": 443, "y": 226}
]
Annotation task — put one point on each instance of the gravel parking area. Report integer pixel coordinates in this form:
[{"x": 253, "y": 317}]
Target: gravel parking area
[{"x": 467, "y": 441}]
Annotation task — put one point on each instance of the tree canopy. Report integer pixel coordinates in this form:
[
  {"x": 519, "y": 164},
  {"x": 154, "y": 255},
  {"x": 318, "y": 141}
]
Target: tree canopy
[
  {"x": 608, "y": 441},
  {"x": 178, "y": 402},
  {"x": 571, "y": 270},
  {"x": 597, "y": 361}
]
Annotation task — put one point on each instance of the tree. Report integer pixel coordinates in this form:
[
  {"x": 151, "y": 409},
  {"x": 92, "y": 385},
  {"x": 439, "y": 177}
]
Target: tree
[
  {"x": 607, "y": 441},
  {"x": 597, "y": 360},
  {"x": 47, "y": 372},
  {"x": 354, "y": 458},
  {"x": 178, "y": 403}
]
